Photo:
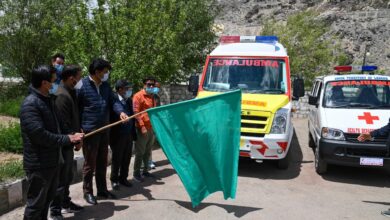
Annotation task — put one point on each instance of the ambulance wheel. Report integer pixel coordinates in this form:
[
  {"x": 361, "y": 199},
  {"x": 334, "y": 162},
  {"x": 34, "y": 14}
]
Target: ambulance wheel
[
  {"x": 285, "y": 162},
  {"x": 312, "y": 144},
  {"x": 320, "y": 165}
]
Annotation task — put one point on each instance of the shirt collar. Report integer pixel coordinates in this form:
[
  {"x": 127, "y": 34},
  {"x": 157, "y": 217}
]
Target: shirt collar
[
  {"x": 120, "y": 97},
  {"x": 96, "y": 84}
]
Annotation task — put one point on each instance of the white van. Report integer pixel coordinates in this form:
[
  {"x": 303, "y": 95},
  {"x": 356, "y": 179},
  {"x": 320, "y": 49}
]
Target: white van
[{"x": 342, "y": 107}]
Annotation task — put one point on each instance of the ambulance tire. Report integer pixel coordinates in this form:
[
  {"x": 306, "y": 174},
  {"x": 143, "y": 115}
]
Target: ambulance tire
[
  {"x": 312, "y": 144},
  {"x": 320, "y": 165},
  {"x": 285, "y": 162}
]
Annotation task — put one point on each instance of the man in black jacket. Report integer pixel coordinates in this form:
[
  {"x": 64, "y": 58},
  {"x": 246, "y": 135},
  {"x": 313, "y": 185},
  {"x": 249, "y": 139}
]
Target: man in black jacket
[
  {"x": 68, "y": 115},
  {"x": 121, "y": 136},
  {"x": 95, "y": 101},
  {"x": 42, "y": 143},
  {"x": 381, "y": 132}
]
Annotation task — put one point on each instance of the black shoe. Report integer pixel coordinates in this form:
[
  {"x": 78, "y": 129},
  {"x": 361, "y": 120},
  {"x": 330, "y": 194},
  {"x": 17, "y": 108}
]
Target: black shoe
[
  {"x": 126, "y": 183},
  {"x": 147, "y": 174},
  {"x": 56, "y": 217},
  {"x": 106, "y": 195},
  {"x": 115, "y": 185},
  {"x": 90, "y": 198},
  {"x": 71, "y": 208},
  {"x": 138, "y": 178}
]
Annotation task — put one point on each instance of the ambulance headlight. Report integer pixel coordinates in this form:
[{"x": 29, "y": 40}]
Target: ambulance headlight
[
  {"x": 280, "y": 122},
  {"x": 332, "y": 134}
]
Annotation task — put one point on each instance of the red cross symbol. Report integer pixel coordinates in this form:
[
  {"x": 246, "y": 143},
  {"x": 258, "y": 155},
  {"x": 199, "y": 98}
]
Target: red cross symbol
[{"x": 368, "y": 118}]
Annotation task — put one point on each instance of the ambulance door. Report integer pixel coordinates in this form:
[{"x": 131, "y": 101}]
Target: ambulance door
[{"x": 314, "y": 114}]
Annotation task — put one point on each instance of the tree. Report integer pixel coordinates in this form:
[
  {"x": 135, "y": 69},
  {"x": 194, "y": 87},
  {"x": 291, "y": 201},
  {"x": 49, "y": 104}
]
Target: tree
[
  {"x": 28, "y": 33},
  {"x": 168, "y": 38},
  {"x": 311, "y": 49}
]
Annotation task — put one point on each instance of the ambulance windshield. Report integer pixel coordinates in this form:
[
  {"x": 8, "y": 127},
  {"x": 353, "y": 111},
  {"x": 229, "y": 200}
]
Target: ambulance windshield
[
  {"x": 267, "y": 76},
  {"x": 357, "y": 94}
]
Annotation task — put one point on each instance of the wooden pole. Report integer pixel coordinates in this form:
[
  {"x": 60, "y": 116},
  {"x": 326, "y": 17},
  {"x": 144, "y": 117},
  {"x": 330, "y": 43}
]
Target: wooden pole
[{"x": 112, "y": 125}]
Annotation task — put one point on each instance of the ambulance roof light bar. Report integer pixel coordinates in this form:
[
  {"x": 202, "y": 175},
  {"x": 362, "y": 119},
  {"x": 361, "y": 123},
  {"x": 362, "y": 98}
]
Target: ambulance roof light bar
[
  {"x": 248, "y": 39},
  {"x": 340, "y": 69}
]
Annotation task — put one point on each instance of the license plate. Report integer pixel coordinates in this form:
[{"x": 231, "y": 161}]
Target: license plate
[{"x": 371, "y": 161}]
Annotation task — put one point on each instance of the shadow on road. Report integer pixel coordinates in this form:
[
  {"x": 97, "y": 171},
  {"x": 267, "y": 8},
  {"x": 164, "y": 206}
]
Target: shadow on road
[
  {"x": 268, "y": 169},
  {"x": 238, "y": 211},
  {"x": 380, "y": 203},
  {"x": 357, "y": 175},
  {"x": 140, "y": 188},
  {"x": 103, "y": 210},
  {"x": 162, "y": 163}
]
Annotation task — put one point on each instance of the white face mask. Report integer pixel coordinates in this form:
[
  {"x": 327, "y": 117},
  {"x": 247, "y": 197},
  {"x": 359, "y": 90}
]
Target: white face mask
[
  {"x": 105, "y": 77},
  {"x": 79, "y": 84}
]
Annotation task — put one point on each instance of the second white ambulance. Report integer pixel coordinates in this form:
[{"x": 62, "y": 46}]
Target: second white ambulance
[{"x": 342, "y": 107}]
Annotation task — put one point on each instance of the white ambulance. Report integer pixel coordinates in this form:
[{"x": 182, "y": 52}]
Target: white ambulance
[
  {"x": 259, "y": 67},
  {"x": 342, "y": 107}
]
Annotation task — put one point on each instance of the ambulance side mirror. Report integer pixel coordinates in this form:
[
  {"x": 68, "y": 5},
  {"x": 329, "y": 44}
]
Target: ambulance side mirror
[
  {"x": 298, "y": 88},
  {"x": 313, "y": 100},
  {"x": 193, "y": 84}
]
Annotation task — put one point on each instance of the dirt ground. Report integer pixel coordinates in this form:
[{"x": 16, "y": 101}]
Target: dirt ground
[
  {"x": 5, "y": 120},
  {"x": 5, "y": 156}
]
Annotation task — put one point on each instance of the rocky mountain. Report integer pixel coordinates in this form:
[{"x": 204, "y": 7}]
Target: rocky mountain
[{"x": 362, "y": 25}]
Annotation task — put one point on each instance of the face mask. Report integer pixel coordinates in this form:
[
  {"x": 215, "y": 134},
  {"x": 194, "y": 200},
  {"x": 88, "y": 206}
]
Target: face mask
[
  {"x": 53, "y": 88},
  {"x": 105, "y": 77},
  {"x": 59, "y": 67},
  {"x": 156, "y": 90},
  {"x": 149, "y": 90},
  {"x": 79, "y": 84},
  {"x": 128, "y": 94}
]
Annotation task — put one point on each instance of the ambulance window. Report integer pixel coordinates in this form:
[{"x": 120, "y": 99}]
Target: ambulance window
[
  {"x": 314, "y": 89},
  {"x": 319, "y": 91}
]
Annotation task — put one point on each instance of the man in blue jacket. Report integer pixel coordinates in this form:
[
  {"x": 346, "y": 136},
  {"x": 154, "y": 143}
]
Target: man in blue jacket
[
  {"x": 42, "y": 142},
  {"x": 95, "y": 101},
  {"x": 381, "y": 132},
  {"x": 121, "y": 136}
]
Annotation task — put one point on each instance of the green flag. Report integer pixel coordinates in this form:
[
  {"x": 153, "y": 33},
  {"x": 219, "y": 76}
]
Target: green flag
[{"x": 201, "y": 139}]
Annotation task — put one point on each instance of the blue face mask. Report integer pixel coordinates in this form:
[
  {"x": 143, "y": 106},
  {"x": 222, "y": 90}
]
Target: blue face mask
[
  {"x": 149, "y": 90},
  {"x": 59, "y": 67},
  {"x": 105, "y": 77},
  {"x": 156, "y": 90},
  {"x": 53, "y": 88},
  {"x": 128, "y": 94}
]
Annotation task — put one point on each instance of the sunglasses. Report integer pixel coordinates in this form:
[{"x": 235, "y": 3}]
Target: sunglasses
[{"x": 150, "y": 84}]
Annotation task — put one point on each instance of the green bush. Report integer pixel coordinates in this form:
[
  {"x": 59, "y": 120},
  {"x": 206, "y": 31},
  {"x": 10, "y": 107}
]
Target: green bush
[
  {"x": 12, "y": 169},
  {"x": 11, "y": 107},
  {"x": 10, "y": 138}
]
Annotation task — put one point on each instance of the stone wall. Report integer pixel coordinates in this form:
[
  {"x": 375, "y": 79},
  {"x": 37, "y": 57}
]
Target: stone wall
[
  {"x": 174, "y": 93},
  {"x": 301, "y": 107}
]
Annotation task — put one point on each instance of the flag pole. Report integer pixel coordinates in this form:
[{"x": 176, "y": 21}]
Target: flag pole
[{"x": 113, "y": 124}]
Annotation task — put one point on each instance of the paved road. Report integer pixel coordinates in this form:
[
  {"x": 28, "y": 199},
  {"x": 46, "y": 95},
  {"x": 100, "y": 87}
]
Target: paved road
[{"x": 263, "y": 192}]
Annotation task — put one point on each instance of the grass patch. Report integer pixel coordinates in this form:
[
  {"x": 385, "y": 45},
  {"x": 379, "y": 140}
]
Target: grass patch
[
  {"x": 11, "y": 138},
  {"x": 11, "y": 107},
  {"x": 10, "y": 170}
]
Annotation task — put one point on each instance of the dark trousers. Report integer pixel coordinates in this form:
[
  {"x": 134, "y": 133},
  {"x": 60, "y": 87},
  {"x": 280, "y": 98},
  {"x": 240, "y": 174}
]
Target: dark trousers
[
  {"x": 95, "y": 149},
  {"x": 121, "y": 155},
  {"x": 143, "y": 148},
  {"x": 62, "y": 198},
  {"x": 42, "y": 185}
]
